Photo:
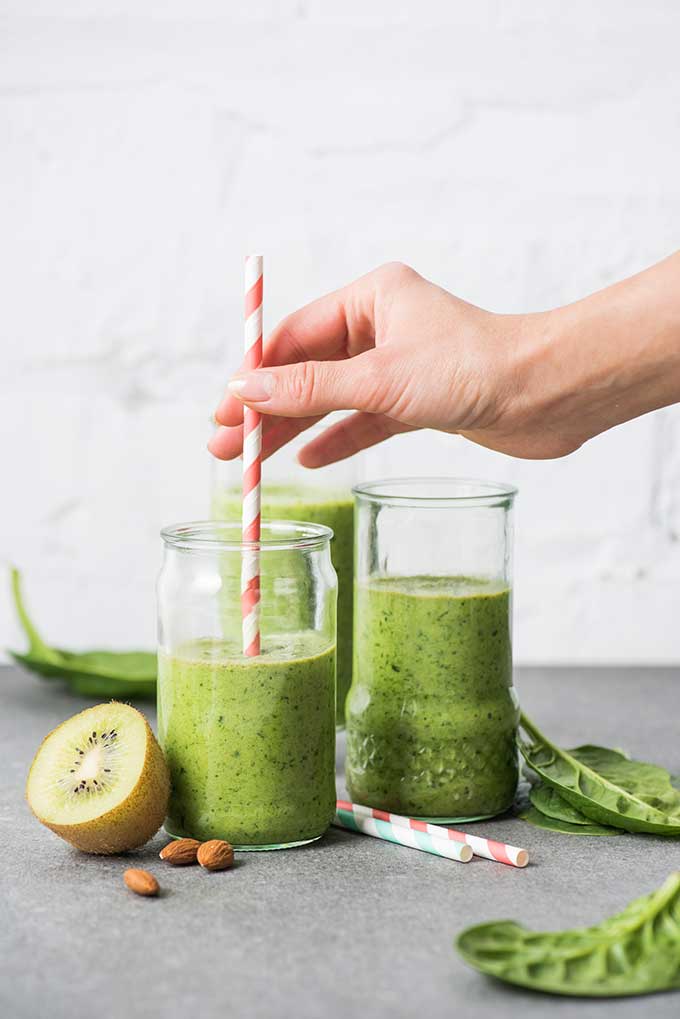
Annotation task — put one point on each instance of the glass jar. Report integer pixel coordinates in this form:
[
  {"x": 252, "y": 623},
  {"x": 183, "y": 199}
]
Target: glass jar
[
  {"x": 431, "y": 714},
  {"x": 320, "y": 496},
  {"x": 250, "y": 741}
]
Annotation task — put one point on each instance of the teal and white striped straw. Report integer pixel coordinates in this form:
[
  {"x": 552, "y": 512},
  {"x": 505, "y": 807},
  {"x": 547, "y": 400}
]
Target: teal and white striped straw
[{"x": 388, "y": 832}]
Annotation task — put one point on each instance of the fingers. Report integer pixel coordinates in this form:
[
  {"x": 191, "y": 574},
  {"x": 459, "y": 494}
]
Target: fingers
[
  {"x": 341, "y": 324},
  {"x": 320, "y": 330},
  {"x": 356, "y": 432},
  {"x": 343, "y": 439},
  {"x": 335, "y": 327},
  {"x": 230, "y": 410},
  {"x": 282, "y": 431},
  {"x": 314, "y": 388},
  {"x": 227, "y": 443}
]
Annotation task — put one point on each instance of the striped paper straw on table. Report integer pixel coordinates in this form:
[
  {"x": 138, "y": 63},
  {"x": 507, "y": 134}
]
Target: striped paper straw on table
[
  {"x": 413, "y": 838},
  {"x": 489, "y": 849},
  {"x": 252, "y": 458}
]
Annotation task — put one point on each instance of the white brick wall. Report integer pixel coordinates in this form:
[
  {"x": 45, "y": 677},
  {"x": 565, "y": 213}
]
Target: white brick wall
[{"x": 520, "y": 153}]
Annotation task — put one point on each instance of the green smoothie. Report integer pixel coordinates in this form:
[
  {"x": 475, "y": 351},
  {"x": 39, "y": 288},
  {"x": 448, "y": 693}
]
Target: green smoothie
[
  {"x": 250, "y": 742},
  {"x": 335, "y": 509},
  {"x": 431, "y": 714}
]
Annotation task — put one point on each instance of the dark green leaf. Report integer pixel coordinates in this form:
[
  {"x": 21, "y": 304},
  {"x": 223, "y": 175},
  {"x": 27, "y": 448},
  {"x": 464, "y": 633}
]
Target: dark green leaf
[
  {"x": 546, "y": 799},
  {"x": 648, "y": 781},
  {"x": 605, "y": 785},
  {"x": 120, "y": 674},
  {"x": 535, "y": 817},
  {"x": 635, "y": 952}
]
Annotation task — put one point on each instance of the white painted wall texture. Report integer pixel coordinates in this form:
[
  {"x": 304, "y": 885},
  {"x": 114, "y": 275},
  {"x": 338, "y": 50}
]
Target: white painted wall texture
[{"x": 520, "y": 153}]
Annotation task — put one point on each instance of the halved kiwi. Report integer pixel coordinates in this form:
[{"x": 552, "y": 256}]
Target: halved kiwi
[{"x": 100, "y": 781}]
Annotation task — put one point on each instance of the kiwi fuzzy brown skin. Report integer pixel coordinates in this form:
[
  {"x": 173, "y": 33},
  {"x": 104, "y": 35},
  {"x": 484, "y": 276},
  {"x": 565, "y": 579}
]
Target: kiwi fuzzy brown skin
[{"x": 132, "y": 822}]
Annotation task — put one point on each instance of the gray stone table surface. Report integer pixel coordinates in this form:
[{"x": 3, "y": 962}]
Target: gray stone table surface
[{"x": 347, "y": 927}]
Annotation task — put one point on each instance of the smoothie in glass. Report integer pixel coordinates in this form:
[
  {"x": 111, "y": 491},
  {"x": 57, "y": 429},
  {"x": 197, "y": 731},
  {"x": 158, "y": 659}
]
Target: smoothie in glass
[
  {"x": 250, "y": 742},
  {"x": 335, "y": 509},
  {"x": 431, "y": 714}
]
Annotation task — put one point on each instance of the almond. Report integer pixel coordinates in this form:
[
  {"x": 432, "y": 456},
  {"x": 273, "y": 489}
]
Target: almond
[
  {"x": 215, "y": 855},
  {"x": 181, "y": 852},
  {"x": 140, "y": 882}
]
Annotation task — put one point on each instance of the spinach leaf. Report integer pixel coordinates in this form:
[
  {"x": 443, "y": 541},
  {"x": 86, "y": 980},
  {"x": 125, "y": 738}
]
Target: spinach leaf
[
  {"x": 605, "y": 785},
  {"x": 535, "y": 817},
  {"x": 120, "y": 674},
  {"x": 648, "y": 781},
  {"x": 546, "y": 799},
  {"x": 635, "y": 952}
]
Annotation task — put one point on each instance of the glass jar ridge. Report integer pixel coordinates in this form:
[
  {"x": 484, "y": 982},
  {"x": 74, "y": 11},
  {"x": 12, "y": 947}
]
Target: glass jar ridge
[{"x": 431, "y": 713}]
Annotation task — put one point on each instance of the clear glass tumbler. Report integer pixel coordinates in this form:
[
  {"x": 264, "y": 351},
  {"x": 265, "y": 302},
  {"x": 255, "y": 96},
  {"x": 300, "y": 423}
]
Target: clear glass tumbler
[
  {"x": 250, "y": 741},
  {"x": 323, "y": 496},
  {"x": 431, "y": 713}
]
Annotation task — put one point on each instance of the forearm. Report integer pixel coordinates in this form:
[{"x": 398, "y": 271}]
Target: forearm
[{"x": 610, "y": 357}]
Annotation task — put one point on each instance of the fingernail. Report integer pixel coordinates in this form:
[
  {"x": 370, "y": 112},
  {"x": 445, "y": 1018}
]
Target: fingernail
[{"x": 256, "y": 386}]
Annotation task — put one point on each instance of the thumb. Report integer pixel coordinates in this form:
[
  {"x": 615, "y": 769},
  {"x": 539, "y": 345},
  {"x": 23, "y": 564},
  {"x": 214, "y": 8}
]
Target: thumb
[{"x": 310, "y": 388}]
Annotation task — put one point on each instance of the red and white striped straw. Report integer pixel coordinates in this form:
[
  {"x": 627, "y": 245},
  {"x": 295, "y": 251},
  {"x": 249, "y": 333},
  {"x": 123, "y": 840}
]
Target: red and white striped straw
[
  {"x": 252, "y": 461},
  {"x": 489, "y": 849}
]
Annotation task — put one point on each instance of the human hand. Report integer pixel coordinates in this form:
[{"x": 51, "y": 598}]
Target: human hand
[
  {"x": 398, "y": 350},
  {"x": 405, "y": 354}
]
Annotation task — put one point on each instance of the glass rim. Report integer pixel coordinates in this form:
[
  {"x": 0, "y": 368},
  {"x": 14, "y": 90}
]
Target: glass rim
[
  {"x": 226, "y": 536},
  {"x": 405, "y": 492}
]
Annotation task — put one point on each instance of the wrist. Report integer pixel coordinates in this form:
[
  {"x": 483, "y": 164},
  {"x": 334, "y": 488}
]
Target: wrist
[
  {"x": 606, "y": 359},
  {"x": 551, "y": 372},
  {"x": 624, "y": 343}
]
